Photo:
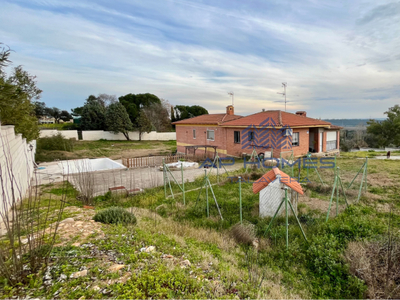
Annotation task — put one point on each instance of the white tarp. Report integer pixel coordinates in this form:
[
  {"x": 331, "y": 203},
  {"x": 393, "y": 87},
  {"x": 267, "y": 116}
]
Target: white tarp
[
  {"x": 185, "y": 164},
  {"x": 89, "y": 165}
]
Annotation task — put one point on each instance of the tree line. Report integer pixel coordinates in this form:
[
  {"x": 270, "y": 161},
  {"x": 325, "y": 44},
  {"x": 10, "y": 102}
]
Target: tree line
[
  {"x": 139, "y": 112},
  {"x": 20, "y": 106}
]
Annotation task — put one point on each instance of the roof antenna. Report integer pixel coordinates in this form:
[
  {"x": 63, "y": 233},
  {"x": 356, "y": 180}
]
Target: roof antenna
[
  {"x": 284, "y": 84},
  {"x": 231, "y": 94}
]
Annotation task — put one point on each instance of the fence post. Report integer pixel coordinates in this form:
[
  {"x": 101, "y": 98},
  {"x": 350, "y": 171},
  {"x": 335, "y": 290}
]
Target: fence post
[
  {"x": 208, "y": 208},
  {"x": 240, "y": 198},
  {"x": 287, "y": 219},
  {"x": 183, "y": 184},
  {"x": 165, "y": 185}
]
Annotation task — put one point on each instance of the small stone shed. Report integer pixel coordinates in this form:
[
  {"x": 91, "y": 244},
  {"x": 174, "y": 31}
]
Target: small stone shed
[{"x": 271, "y": 188}]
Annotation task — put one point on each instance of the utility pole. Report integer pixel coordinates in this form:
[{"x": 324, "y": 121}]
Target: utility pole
[
  {"x": 284, "y": 84},
  {"x": 231, "y": 94}
]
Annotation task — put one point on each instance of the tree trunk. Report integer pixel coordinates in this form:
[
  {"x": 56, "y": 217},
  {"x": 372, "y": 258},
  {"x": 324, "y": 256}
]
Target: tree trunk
[{"x": 126, "y": 134}]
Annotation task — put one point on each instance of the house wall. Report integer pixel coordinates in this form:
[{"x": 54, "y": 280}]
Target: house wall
[
  {"x": 16, "y": 166},
  {"x": 184, "y": 134},
  {"x": 224, "y": 139}
]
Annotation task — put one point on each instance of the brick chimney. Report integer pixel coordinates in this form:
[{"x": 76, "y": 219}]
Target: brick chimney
[
  {"x": 229, "y": 110},
  {"x": 301, "y": 113}
]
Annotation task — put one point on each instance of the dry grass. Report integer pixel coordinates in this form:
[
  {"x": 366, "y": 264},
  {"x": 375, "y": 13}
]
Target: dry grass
[
  {"x": 378, "y": 264},
  {"x": 183, "y": 230}
]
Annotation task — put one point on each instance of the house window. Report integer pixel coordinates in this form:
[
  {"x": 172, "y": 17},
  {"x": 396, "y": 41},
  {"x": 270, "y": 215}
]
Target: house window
[
  {"x": 295, "y": 139},
  {"x": 251, "y": 136},
  {"x": 194, "y": 133},
  {"x": 236, "y": 137},
  {"x": 210, "y": 135}
]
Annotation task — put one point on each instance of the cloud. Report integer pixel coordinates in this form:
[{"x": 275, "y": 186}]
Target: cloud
[{"x": 194, "y": 53}]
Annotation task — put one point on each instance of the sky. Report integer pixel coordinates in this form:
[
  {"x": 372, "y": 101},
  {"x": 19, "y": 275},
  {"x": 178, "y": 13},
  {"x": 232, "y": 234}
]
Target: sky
[{"x": 340, "y": 59}]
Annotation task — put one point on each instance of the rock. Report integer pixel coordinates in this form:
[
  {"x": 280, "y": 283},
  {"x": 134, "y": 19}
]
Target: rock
[
  {"x": 115, "y": 268},
  {"x": 148, "y": 249},
  {"x": 47, "y": 282},
  {"x": 185, "y": 263},
  {"x": 79, "y": 274},
  {"x": 67, "y": 220},
  {"x": 62, "y": 277}
]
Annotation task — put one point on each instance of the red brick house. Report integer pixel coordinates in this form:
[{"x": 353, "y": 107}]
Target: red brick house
[{"x": 268, "y": 131}]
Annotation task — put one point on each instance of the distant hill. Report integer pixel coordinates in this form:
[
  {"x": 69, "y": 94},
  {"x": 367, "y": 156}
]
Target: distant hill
[{"x": 350, "y": 122}]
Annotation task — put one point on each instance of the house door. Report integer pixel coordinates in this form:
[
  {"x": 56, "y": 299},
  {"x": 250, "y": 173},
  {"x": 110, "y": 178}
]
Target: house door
[{"x": 321, "y": 137}]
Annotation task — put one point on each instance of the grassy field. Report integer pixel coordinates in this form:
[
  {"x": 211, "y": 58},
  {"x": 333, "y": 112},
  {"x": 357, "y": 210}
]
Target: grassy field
[
  {"x": 218, "y": 266},
  {"x": 104, "y": 148}
]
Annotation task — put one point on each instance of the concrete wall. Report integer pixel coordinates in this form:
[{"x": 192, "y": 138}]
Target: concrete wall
[
  {"x": 16, "y": 166},
  {"x": 95, "y": 135},
  {"x": 68, "y": 134}
]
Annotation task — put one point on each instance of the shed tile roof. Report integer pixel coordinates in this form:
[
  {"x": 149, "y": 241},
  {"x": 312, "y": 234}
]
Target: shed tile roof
[
  {"x": 270, "y": 176},
  {"x": 276, "y": 117},
  {"x": 209, "y": 119}
]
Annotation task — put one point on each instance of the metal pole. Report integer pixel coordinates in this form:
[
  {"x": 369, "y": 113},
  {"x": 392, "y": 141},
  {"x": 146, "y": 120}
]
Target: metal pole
[
  {"x": 240, "y": 198},
  {"x": 287, "y": 220},
  {"x": 217, "y": 168},
  {"x": 215, "y": 199},
  {"x": 344, "y": 193},
  {"x": 273, "y": 218},
  {"x": 337, "y": 195},
  {"x": 165, "y": 184},
  {"x": 183, "y": 185},
  {"x": 356, "y": 175},
  {"x": 366, "y": 174},
  {"x": 361, "y": 184},
  {"x": 208, "y": 208},
  {"x": 298, "y": 222},
  {"x": 330, "y": 201}
]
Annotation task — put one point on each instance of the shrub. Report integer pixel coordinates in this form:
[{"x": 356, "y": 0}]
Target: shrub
[
  {"x": 115, "y": 215},
  {"x": 55, "y": 142}
]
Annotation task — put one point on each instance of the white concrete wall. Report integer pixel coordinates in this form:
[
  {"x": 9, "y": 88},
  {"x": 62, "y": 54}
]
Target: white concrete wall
[
  {"x": 65, "y": 133},
  {"x": 16, "y": 166},
  {"x": 95, "y": 135}
]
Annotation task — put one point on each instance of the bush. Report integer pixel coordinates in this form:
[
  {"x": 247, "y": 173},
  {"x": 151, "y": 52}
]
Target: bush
[
  {"x": 115, "y": 215},
  {"x": 55, "y": 142}
]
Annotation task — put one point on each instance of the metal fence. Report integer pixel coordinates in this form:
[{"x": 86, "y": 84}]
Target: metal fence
[{"x": 153, "y": 161}]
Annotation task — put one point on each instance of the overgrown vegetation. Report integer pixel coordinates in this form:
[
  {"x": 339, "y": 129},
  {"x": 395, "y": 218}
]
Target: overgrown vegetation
[
  {"x": 72, "y": 149},
  {"x": 115, "y": 215},
  {"x": 175, "y": 251}
]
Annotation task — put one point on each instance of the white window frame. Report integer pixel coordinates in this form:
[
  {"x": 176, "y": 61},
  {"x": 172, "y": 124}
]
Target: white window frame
[
  {"x": 194, "y": 133},
  {"x": 208, "y": 131},
  {"x": 298, "y": 138}
]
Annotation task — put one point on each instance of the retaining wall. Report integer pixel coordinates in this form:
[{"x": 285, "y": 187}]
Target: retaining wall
[{"x": 16, "y": 166}]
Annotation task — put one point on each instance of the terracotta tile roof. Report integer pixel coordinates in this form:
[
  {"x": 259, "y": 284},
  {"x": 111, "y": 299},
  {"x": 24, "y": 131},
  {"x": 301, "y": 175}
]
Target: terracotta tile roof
[
  {"x": 336, "y": 127},
  {"x": 209, "y": 119},
  {"x": 270, "y": 176},
  {"x": 276, "y": 117}
]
